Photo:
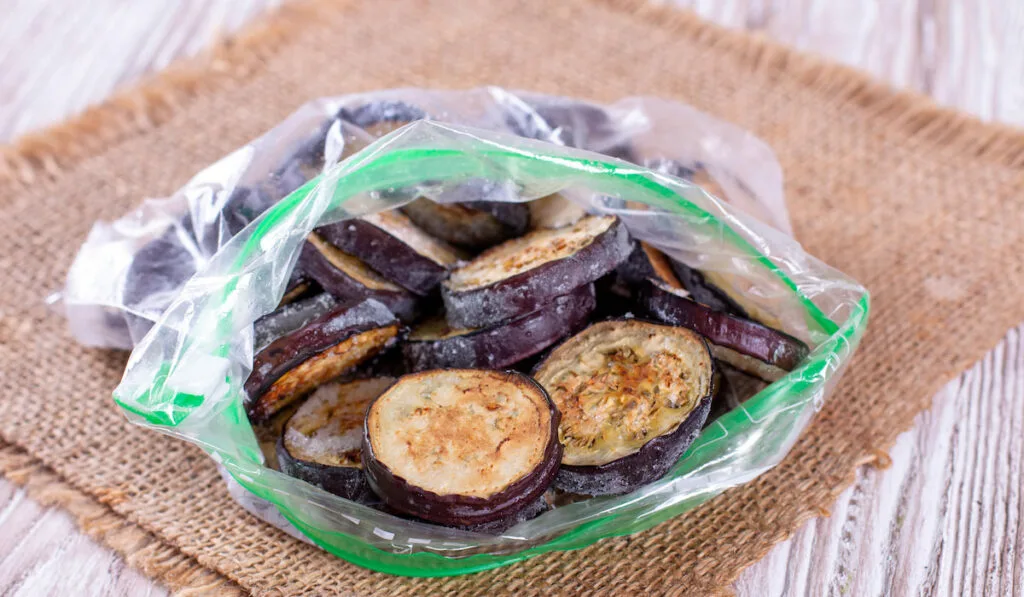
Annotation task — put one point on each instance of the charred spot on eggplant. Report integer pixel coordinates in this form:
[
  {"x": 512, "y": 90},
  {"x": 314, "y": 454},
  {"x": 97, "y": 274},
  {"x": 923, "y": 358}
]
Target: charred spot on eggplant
[
  {"x": 524, "y": 274},
  {"x": 435, "y": 345},
  {"x": 633, "y": 396},
  {"x": 321, "y": 443},
  {"x": 350, "y": 279},
  {"x": 294, "y": 364},
  {"x": 395, "y": 247},
  {"x": 743, "y": 343},
  {"x": 461, "y": 447}
]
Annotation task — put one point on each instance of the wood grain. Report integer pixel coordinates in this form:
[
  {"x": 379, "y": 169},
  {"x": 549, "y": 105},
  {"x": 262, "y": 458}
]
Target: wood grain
[{"x": 944, "y": 519}]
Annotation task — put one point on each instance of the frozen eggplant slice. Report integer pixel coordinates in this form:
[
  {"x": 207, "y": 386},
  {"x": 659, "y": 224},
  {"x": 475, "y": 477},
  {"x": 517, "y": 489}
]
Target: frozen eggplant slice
[
  {"x": 743, "y": 343},
  {"x": 704, "y": 292},
  {"x": 382, "y": 117},
  {"x": 349, "y": 279},
  {"x": 461, "y": 447},
  {"x": 299, "y": 286},
  {"x": 524, "y": 274},
  {"x": 647, "y": 262},
  {"x": 321, "y": 442},
  {"x": 291, "y": 317},
  {"x": 555, "y": 211},
  {"x": 435, "y": 345},
  {"x": 296, "y": 363},
  {"x": 395, "y": 248},
  {"x": 633, "y": 396},
  {"x": 584, "y": 125},
  {"x": 156, "y": 274},
  {"x": 458, "y": 223},
  {"x": 734, "y": 388}
]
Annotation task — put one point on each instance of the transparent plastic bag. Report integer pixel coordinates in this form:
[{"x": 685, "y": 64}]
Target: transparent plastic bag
[{"x": 185, "y": 376}]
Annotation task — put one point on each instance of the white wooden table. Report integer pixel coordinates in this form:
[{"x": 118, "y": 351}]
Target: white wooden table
[{"x": 947, "y": 518}]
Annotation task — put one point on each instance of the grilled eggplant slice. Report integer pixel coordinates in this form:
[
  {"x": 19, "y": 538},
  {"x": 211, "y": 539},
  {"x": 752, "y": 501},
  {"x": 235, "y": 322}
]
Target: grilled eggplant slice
[
  {"x": 461, "y": 447},
  {"x": 349, "y": 279},
  {"x": 382, "y": 117},
  {"x": 289, "y": 318},
  {"x": 395, "y": 248},
  {"x": 524, "y": 274},
  {"x": 704, "y": 292},
  {"x": 321, "y": 442},
  {"x": 647, "y": 262},
  {"x": 472, "y": 225},
  {"x": 435, "y": 345},
  {"x": 633, "y": 396},
  {"x": 743, "y": 343},
  {"x": 296, "y": 363}
]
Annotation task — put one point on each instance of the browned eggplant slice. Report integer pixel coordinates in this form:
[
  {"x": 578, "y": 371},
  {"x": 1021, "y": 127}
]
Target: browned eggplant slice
[
  {"x": 435, "y": 345},
  {"x": 395, "y": 248},
  {"x": 294, "y": 364},
  {"x": 743, "y": 343},
  {"x": 321, "y": 443},
  {"x": 472, "y": 226},
  {"x": 349, "y": 279},
  {"x": 633, "y": 396},
  {"x": 524, "y": 274},
  {"x": 461, "y": 447}
]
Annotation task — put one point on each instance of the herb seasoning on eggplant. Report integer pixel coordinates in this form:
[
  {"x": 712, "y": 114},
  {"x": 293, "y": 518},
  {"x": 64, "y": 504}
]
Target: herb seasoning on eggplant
[
  {"x": 633, "y": 396},
  {"x": 743, "y": 343},
  {"x": 524, "y": 274},
  {"x": 321, "y": 442},
  {"x": 461, "y": 447}
]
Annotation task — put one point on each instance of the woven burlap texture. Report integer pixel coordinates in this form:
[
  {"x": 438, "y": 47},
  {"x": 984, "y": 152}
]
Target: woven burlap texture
[{"x": 920, "y": 204}]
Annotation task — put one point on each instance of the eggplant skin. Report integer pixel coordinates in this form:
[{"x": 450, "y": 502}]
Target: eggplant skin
[
  {"x": 401, "y": 302},
  {"x": 292, "y": 350},
  {"x": 627, "y": 474},
  {"x": 344, "y": 481},
  {"x": 466, "y": 511},
  {"x": 530, "y": 290},
  {"x": 733, "y": 333},
  {"x": 386, "y": 254},
  {"x": 508, "y": 343},
  {"x": 705, "y": 292}
]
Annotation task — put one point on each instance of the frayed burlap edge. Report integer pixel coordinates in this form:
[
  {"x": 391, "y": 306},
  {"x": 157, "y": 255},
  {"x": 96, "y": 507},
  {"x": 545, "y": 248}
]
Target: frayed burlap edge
[
  {"x": 48, "y": 153},
  {"x": 141, "y": 550}
]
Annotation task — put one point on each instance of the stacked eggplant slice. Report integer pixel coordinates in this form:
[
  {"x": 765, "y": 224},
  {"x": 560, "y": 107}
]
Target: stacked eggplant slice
[{"x": 475, "y": 361}]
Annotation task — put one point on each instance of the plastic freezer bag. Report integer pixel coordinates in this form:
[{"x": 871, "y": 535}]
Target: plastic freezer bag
[{"x": 185, "y": 376}]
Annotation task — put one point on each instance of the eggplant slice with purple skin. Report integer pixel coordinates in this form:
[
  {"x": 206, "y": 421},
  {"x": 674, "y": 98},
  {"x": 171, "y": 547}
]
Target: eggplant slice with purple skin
[
  {"x": 522, "y": 275},
  {"x": 395, "y": 247},
  {"x": 633, "y": 396},
  {"x": 349, "y": 279},
  {"x": 291, "y": 366},
  {"x": 435, "y": 345},
  {"x": 321, "y": 442},
  {"x": 743, "y": 343},
  {"x": 474, "y": 225},
  {"x": 644, "y": 262},
  {"x": 461, "y": 447}
]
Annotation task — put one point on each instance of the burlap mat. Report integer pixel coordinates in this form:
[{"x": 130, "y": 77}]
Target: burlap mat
[{"x": 920, "y": 204}]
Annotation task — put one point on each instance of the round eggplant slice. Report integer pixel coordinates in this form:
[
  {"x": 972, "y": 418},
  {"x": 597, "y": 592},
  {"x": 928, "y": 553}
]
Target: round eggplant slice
[
  {"x": 633, "y": 396},
  {"x": 472, "y": 225},
  {"x": 461, "y": 447},
  {"x": 321, "y": 442},
  {"x": 745, "y": 344},
  {"x": 705, "y": 292},
  {"x": 289, "y": 318},
  {"x": 435, "y": 345},
  {"x": 524, "y": 274},
  {"x": 296, "y": 363},
  {"x": 395, "y": 248},
  {"x": 349, "y": 279}
]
